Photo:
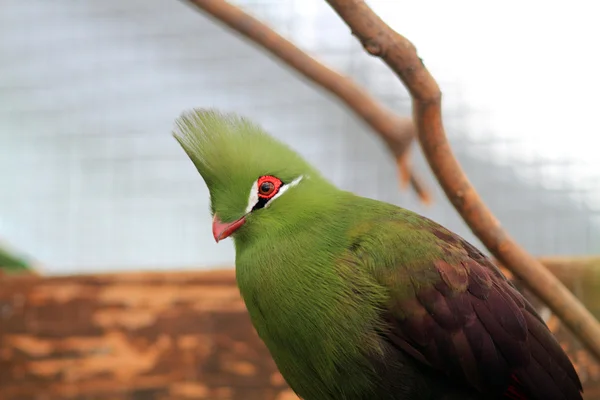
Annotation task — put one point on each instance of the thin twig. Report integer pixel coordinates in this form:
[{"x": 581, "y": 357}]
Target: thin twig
[
  {"x": 397, "y": 132},
  {"x": 400, "y": 55}
]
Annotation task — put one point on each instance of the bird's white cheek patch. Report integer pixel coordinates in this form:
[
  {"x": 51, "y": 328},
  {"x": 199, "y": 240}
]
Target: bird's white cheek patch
[{"x": 253, "y": 197}]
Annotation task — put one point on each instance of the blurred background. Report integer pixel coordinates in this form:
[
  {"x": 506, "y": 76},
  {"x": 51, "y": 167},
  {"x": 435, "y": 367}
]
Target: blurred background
[{"x": 92, "y": 180}]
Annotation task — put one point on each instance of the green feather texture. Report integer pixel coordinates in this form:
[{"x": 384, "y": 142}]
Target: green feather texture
[
  {"x": 12, "y": 263},
  {"x": 358, "y": 299},
  {"x": 231, "y": 152}
]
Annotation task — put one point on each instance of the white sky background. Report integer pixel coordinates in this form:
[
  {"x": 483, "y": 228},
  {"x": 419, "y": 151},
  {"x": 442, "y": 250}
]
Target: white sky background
[
  {"x": 531, "y": 67},
  {"x": 97, "y": 183}
]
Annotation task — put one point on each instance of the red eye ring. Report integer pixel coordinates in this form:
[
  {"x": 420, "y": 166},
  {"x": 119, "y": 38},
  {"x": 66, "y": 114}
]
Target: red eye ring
[{"x": 268, "y": 186}]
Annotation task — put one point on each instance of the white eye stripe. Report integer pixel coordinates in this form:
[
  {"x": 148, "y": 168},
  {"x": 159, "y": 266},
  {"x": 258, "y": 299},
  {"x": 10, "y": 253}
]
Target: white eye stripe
[
  {"x": 284, "y": 189},
  {"x": 254, "y": 199}
]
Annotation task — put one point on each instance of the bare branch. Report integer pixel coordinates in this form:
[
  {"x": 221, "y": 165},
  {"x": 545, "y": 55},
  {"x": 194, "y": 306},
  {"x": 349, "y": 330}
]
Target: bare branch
[
  {"x": 400, "y": 55},
  {"x": 397, "y": 132}
]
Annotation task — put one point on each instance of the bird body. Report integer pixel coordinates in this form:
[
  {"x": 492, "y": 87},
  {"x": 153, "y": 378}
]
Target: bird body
[{"x": 360, "y": 299}]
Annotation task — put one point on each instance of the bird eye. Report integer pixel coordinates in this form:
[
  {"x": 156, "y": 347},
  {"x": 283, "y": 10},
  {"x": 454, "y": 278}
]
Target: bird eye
[{"x": 266, "y": 188}]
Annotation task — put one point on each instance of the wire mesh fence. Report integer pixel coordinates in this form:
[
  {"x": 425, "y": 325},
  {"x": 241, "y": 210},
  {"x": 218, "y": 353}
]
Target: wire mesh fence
[{"x": 92, "y": 180}]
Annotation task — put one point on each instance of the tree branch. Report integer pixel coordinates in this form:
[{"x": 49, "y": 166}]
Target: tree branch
[
  {"x": 400, "y": 55},
  {"x": 397, "y": 132}
]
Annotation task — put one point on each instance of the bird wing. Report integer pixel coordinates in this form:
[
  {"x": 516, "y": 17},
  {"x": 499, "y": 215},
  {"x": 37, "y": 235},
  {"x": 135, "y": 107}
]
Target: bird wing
[{"x": 452, "y": 309}]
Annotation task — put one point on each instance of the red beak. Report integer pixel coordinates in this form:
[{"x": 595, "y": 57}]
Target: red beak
[{"x": 222, "y": 230}]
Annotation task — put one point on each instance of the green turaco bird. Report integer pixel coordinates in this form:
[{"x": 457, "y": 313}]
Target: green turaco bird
[{"x": 357, "y": 299}]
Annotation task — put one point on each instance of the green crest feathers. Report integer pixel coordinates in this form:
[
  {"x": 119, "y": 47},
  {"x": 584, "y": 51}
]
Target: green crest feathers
[
  {"x": 209, "y": 139},
  {"x": 232, "y": 152},
  {"x": 224, "y": 145}
]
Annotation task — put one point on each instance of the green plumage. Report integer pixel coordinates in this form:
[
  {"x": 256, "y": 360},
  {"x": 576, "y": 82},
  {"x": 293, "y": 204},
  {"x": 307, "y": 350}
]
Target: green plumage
[
  {"x": 12, "y": 263},
  {"x": 360, "y": 299}
]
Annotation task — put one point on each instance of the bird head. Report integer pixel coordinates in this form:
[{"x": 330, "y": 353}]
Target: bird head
[{"x": 248, "y": 173}]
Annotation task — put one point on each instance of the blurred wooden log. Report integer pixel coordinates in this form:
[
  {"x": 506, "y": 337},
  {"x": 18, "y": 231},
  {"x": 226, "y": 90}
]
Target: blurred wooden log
[
  {"x": 173, "y": 336},
  {"x": 131, "y": 336}
]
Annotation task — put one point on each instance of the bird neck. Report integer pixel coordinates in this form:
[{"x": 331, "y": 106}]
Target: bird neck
[
  {"x": 297, "y": 233},
  {"x": 296, "y": 284},
  {"x": 312, "y": 205}
]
